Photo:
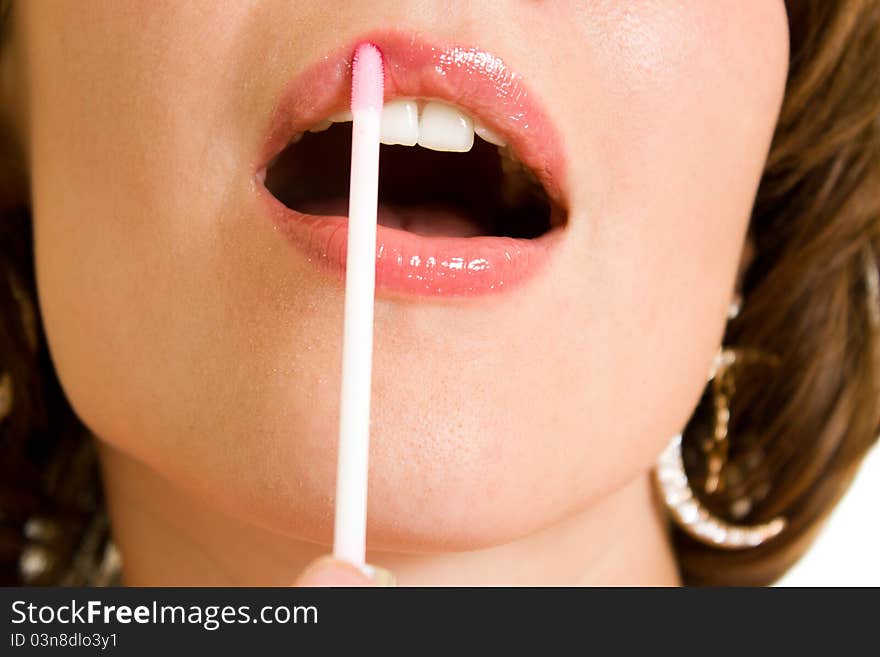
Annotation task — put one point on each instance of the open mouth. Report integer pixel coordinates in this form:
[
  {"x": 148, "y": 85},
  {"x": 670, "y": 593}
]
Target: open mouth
[
  {"x": 441, "y": 174},
  {"x": 472, "y": 196}
]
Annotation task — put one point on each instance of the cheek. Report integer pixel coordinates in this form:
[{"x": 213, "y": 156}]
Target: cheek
[{"x": 676, "y": 113}]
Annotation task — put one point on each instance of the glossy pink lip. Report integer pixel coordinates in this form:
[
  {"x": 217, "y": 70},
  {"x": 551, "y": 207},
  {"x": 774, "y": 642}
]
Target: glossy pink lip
[{"x": 406, "y": 263}]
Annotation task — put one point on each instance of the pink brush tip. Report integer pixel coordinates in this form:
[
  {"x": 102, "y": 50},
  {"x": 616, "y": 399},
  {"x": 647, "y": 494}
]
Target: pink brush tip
[{"x": 367, "y": 78}]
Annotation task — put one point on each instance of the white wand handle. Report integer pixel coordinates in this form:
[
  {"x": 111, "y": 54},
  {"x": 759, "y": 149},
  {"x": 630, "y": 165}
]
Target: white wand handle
[{"x": 349, "y": 540}]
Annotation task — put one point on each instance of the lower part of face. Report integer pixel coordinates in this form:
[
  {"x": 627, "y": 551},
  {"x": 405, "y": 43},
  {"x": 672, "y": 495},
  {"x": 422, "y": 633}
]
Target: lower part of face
[{"x": 188, "y": 334}]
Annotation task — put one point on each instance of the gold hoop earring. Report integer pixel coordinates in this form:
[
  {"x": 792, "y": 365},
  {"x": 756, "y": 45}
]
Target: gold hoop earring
[
  {"x": 684, "y": 507},
  {"x": 694, "y": 518}
]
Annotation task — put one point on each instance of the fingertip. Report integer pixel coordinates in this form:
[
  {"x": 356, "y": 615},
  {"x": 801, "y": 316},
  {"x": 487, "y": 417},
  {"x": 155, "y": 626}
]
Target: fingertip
[{"x": 328, "y": 571}]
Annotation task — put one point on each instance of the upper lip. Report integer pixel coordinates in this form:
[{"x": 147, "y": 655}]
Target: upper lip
[{"x": 478, "y": 82}]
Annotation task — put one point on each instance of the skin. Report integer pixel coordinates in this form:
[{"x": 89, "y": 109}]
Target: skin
[{"x": 512, "y": 436}]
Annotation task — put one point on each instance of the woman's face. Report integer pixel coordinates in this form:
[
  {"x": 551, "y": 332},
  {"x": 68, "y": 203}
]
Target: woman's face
[{"x": 191, "y": 333}]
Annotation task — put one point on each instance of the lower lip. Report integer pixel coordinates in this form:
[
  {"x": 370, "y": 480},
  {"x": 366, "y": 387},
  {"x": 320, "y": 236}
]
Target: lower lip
[{"x": 417, "y": 266}]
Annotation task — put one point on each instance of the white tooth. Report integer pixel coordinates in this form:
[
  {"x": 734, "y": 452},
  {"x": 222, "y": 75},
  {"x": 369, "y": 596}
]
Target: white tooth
[
  {"x": 400, "y": 122},
  {"x": 486, "y": 134},
  {"x": 321, "y": 126},
  {"x": 340, "y": 117},
  {"x": 444, "y": 128}
]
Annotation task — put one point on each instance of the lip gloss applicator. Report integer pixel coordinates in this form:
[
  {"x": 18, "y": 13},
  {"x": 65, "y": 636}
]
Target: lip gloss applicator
[{"x": 367, "y": 95}]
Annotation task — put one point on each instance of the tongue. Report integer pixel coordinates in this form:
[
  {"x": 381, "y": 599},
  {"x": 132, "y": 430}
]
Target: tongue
[{"x": 427, "y": 220}]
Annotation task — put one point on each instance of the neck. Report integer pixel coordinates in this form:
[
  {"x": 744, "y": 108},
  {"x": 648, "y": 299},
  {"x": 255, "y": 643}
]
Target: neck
[{"x": 167, "y": 536}]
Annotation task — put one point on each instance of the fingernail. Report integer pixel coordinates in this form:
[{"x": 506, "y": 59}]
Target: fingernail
[{"x": 379, "y": 576}]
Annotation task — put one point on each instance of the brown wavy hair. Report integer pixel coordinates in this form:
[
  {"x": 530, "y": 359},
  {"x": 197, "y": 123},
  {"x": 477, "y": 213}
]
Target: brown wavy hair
[{"x": 799, "y": 430}]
